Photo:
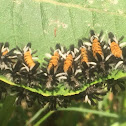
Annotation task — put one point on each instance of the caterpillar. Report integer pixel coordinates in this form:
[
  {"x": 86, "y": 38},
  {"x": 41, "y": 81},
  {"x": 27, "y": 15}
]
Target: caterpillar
[
  {"x": 116, "y": 49},
  {"x": 84, "y": 61},
  {"x": 74, "y": 69},
  {"x": 99, "y": 52},
  {"x": 30, "y": 66},
  {"x": 70, "y": 68},
  {"x": 50, "y": 71},
  {"x": 6, "y": 56}
]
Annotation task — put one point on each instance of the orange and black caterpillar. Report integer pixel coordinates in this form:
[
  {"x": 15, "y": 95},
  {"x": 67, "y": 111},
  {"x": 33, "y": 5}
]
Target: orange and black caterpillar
[
  {"x": 116, "y": 50},
  {"x": 70, "y": 68},
  {"x": 84, "y": 61},
  {"x": 68, "y": 64},
  {"x": 54, "y": 62},
  {"x": 7, "y": 57},
  {"x": 92, "y": 93},
  {"x": 95, "y": 43},
  {"x": 26, "y": 55},
  {"x": 73, "y": 66},
  {"x": 29, "y": 68},
  {"x": 99, "y": 52},
  {"x": 84, "y": 55},
  {"x": 51, "y": 70},
  {"x": 28, "y": 59},
  {"x": 4, "y": 48},
  {"x": 96, "y": 46}
]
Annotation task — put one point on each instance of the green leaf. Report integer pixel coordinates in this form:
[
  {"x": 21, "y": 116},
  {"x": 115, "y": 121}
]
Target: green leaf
[
  {"x": 60, "y": 90},
  {"x": 36, "y": 21},
  {"x": 47, "y": 22}
]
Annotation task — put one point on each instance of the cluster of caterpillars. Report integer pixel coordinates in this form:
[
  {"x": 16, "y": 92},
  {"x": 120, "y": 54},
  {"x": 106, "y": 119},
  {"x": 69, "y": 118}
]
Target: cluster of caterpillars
[
  {"x": 93, "y": 58},
  {"x": 73, "y": 67}
]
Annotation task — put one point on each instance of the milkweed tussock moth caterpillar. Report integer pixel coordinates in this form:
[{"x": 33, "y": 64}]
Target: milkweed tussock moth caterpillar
[{"x": 74, "y": 68}]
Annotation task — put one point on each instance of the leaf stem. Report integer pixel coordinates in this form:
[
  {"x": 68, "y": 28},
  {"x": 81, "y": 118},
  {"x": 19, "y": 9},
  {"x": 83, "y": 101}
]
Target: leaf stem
[
  {"x": 44, "y": 118},
  {"x": 37, "y": 114},
  {"x": 101, "y": 113}
]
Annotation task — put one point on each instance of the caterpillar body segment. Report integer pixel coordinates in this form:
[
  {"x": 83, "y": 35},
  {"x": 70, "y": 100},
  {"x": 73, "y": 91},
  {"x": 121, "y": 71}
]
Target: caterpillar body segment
[
  {"x": 96, "y": 46},
  {"x": 53, "y": 68},
  {"x": 114, "y": 46},
  {"x": 26, "y": 55},
  {"x": 53, "y": 63},
  {"x": 71, "y": 70},
  {"x": 99, "y": 52},
  {"x": 7, "y": 57},
  {"x": 30, "y": 67},
  {"x": 55, "y": 59},
  {"x": 85, "y": 63},
  {"x": 115, "y": 85},
  {"x": 92, "y": 94},
  {"x": 30, "y": 75},
  {"x": 4, "y": 48},
  {"x": 117, "y": 51},
  {"x": 70, "y": 60},
  {"x": 28, "y": 59},
  {"x": 14, "y": 73}
]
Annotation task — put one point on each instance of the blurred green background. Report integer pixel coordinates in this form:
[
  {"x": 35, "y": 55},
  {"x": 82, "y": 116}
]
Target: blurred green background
[{"x": 109, "y": 112}]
